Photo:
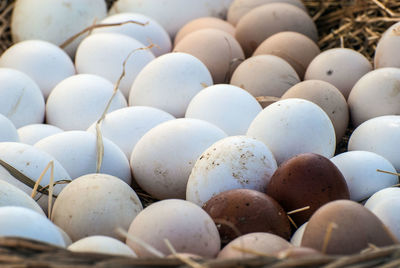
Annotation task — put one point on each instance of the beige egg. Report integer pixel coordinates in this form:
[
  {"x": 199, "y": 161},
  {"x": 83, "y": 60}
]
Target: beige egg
[
  {"x": 295, "y": 48},
  {"x": 218, "y": 50},
  {"x": 386, "y": 53},
  {"x": 326, "y": 96},
  {"x": 203, "y": 23},
  {"x": 265, "y": 75},
  {"x": 266, "y": 20}
]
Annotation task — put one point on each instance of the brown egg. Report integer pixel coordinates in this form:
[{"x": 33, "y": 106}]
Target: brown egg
[
  {"x": 345, "y": 227},
  {"x": 248, "y": 211},
  {"x": 204, "y": 23},
  {"x": 266, "y": 20},
  {"x": 326, "y": 96},
  {"x": 295, "y": 48},
  {"x": 306, "y": 180},
  {"x": 218, "y": 50},
  {"x": 265, "y": 75}
]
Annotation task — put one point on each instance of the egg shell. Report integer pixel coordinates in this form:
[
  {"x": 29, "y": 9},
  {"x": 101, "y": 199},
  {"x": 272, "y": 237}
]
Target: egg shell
[
  {"x": 25, "y": 223},
  {"x": 8, "y": 132},
  {"x": 295, "y": 48},
  {"x": 268, "y": 19},
  {"x": 306, "y": 180},
  {"x": 169, "y": 83},
  {"x": 226, "y": 106},
  {"x": 95, "y": 204},
  {"x": 385, "y": 55},
  {"x": 126, "y": 126},
  {"x": 31, "y": 162},
  {"x": 249, "y": 211},
  {"x": 232, "y": 163},
  {"x": 186, "y": 226},
  {"x": 163, "y": 158},
  {"x": 386, "y": 212},
  {"x": 327, "y": 97},
  {"x": 55, "y": 21},
  {"x": 21, "y": 100},
  {"x": 263, "y": 243},
  {"x": 381, "y": 90},
  {"x": 359, "y": 169},
  {"x": 85, "y": 97},
  {"x": 381, "y": 195},
  {"x": 104, "y": 54},
  {"x": 265, "y": 75},
  {"x": 103, "y": 245},
  {"x": 298, "y": 235},
  {"x": 294, "y": 126},
  {"x": 30, "y": 134},
  {"x": 203, "y": 23},
  {"x": 334, "y": 65},
  {"x": 218, "y": 50},
  {"x": 44, "y": 62},
  {"x": 151, "y": 33},
  {"x": 380, "y": 135},
  {"x": 76, "y": 151},
  {"x": 354, "y": 229},
  {"x": 239, "y": 8}
]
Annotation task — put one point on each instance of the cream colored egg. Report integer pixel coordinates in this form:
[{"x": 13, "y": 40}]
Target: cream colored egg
[
  {"x": 30, "y": 134},
  {"x": 8, "y": 132},
  {"x": 102, "y": 244},
  {"x": 386, "y": 51}
]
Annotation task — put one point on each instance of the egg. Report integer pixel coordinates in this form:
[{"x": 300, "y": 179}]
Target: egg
[
  {"x": 247, "y": 211},
  {"x": 186, "y": 226},
  {"x": 55, "y": 21},
  {"x": 265, "y": 75},
  {"x": 262, "y": 243},
  {"x": 204, "y": 23},
  {"x": 104, "y": 54},
  {"x": 386, "y": 212},
  {"x": 382, "y": 195},
  {"x": 230, "y": 163},
  {"x": 384, "y": 53},
  {"x": 294, "y": 126},
  {"x": 95, "y": 204},
  {"x": 268, "y": 19},
  {"x": 239, "y": 8},
  {"x": 380, "y": 135},
  {"x": 360, "y": 170},
  {"x": 25, "y": 223},
  {"x": 226, "y": 106},
  {"x": 169, "y": 83},
  {"x": 295, "y": 48},
  {"x": 217, "y": 49},
  {"x": 298, "y": 235},
  {"x": 126, "y": 126},
  {"x": 151, "y": 33},
  {"x": 32, "y": 133},
  {"x": 298, "y": 253},
  {"x": 163, "y": 158},
  {"x": 66, "y": 238},
  {"x": 381, "y": 90},
  {"x": 326, "y": 96},
  {"x": 345, "y": 227},
  {"x": 306, "y": 180},
  {"x": 335, "y": 65},
  {"x": 85, "y": 97},
  {"x": 103, "y": 245},
  {"x": 8, "y": 132},
  {"x": 76, "y": 151},
  {"x": 43, "y": 62}
]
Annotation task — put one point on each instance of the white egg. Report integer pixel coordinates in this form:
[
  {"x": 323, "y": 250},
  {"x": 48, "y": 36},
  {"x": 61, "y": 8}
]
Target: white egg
[
  {"x": 380, "y": 135},
  {"x": 44, "y": 62},
  {"x": 79, "y": 100},
  {"x": 104, "y": 54},
  {"x": 126, "y": 126},
  {"x": 55, "y": 21},
  {"x": 163, "y": 158},
  {"x": 359, "y": 168},
  {"x": 294, "y": 126},
  {"x": 77, "y": 152},
  {"x": 169, "y": 83},
  {"x": 228, "y": 107},
  {"x": 102, "y": 244},
  {"x": 385, "y": 53},
  {"x": 8, "y": 132},
  {"x": 381, "y": 195},
  {"x": 237, "y": 162},
  {"x": 387, "y": 211},
  {"x": 31, "y": 162},
  {"x": 298, "y": 235},
  {"x": 26, "y": 223},
  {"x": 151, "y": 33},
  {"x": 95, "y": 204},
  {"x": 30, "y": 134}
]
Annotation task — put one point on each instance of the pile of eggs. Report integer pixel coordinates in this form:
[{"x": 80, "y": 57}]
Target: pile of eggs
[{"x": 186, "y": 125}]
